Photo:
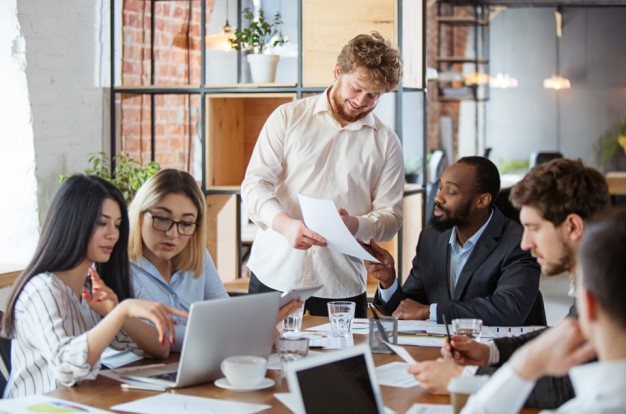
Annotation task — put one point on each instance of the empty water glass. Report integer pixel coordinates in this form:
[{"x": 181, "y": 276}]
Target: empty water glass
[{"x": 341, "y": 315}]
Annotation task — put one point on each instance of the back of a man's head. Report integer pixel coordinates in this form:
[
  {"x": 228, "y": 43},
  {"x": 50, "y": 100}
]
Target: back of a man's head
[
  {"x": 562, "y": 187},
  {"x": 602, "y": 257},
  {"x": 374, "y": 54}
]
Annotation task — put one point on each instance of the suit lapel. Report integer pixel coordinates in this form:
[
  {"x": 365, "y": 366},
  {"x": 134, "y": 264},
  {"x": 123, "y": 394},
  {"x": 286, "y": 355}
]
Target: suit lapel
[
  {"x": 485, "y": 245},
  {"x": 442, "y": 267}
]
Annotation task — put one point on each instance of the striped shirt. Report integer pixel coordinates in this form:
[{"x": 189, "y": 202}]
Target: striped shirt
[{"x": 49, "y": 346}]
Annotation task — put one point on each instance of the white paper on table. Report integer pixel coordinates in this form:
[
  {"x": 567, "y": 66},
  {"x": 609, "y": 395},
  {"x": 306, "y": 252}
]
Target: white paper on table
[
  {"x": 430, "y": 409},
  {"x": 422, "y": 326},
  {"x": 168, "y": 403},
  {"x": 290, "y": 401},
  {"x": 45, "y": 404},
  {"x": 322, "y": 217},
  {"x": 114, "y": 359},
  {"x": 402, "y": 353},
  {"x": 394, "y": 374},
  {"x": 421, "y": 341},
  {"x": 359, "y": 326}
]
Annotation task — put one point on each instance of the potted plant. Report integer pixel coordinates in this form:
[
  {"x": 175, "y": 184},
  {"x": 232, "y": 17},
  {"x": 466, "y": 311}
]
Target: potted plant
[
  {"x": 610, "y": 148},
  {"x": 258, "y": 39},
  {"x": 412, "y": 169},
  {"x": 128, "y": 175}
]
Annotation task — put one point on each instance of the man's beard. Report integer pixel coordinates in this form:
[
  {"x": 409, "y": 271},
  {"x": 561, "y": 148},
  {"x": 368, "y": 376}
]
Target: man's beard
[
  {"x": 338, "y": 106},
  {"x": 563, "y": 264},
  {"x": 448, "y": 221}
]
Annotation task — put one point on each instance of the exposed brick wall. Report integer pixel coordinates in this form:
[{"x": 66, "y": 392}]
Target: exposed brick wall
[
  {"x": 177, "y": 63},
  {"x": 443, "y": 40}
]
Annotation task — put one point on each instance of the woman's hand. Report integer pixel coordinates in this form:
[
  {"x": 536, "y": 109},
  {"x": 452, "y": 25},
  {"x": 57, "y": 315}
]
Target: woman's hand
[
  {"x": 158, "y": 313},
  {"x": 102, "y": 299}
]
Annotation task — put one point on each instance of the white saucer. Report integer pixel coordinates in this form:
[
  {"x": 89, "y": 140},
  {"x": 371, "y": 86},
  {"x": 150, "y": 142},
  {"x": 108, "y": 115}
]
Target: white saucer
[{"x": 266, "y": 383}]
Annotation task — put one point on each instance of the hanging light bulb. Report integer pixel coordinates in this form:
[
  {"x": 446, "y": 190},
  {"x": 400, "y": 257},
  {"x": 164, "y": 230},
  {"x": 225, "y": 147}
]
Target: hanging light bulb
[
  {"x": 220, "y": 41},
  {"x": 556, "y": 81},
  {"x": 503, "y": 81},
  {"x": 476, "y": 78}
]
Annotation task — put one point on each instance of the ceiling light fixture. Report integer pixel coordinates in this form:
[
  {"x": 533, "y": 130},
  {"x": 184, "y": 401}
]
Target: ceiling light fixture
[
  {"x": 556, "y": 81},
  {"x": 220, "y": 41}
]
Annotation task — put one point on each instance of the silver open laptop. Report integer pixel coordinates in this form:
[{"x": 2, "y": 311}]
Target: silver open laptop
[
  {"x": 341, "y": 381},
  {"x": 216, "y": 329}
]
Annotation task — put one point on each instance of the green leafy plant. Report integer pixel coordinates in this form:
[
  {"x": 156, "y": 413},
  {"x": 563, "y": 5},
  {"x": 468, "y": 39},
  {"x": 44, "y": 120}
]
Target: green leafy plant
[
  {"x": 260, "y": 33},
  {"x": 128, "y": 175},
  {"x": 513, "y": 166},
  {"x": 610, "y": 146}
]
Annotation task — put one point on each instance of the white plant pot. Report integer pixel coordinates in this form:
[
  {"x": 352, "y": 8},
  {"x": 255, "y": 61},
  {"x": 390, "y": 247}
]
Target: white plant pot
[{"x": 263, "y": 67}]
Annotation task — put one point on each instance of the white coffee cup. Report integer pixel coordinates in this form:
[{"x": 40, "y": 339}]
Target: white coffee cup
[{"x": 244, "y": 371}]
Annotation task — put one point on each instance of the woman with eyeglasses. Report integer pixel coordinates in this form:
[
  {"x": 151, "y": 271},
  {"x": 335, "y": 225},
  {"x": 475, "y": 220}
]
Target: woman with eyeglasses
[
  {"x": 167, "y": 246},
  {"x": 60, "y": 321}
]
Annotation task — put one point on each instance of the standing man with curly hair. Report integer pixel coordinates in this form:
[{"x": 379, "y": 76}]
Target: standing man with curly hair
[{"x": 329, "y": 146}]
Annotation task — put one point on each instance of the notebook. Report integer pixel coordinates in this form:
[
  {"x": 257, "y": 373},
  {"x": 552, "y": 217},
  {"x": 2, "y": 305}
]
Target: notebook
[
  {"x": 341, "y": 381},
  {"x": 216, "y": 329}
]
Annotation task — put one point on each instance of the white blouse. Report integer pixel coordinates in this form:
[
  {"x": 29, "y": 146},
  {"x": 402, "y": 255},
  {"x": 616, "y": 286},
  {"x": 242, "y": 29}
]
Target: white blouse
[{"x": 49, "y": 345}]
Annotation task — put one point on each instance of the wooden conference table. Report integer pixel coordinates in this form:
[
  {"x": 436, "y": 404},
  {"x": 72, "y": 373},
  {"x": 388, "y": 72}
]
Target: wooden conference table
[{"x": 104, "y": 392}]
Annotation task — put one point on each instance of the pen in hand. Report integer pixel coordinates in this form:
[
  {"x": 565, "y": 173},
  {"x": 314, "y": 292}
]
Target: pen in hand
[{"x": 448, "y": 334}]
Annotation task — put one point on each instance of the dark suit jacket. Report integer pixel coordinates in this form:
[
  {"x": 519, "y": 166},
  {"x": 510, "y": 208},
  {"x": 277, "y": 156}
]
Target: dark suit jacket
[
  {"x": 498, "y": 284},
  {"x": 549, "y": 392}
]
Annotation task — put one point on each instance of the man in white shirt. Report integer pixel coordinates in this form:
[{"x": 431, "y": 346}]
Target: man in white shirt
[
  {"x": 556, "y": 199},
  {"x": 600, "y": 329},
  {"x": 329, "y": 146}
]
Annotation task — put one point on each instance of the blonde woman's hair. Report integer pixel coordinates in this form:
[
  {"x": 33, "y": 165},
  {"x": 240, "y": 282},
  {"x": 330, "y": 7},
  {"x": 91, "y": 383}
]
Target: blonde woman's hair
[{"x": 157, "y": 187}]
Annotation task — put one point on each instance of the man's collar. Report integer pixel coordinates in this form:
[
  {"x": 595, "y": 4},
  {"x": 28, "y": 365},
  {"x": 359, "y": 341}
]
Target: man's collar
[{"x": 474, "y": 239}]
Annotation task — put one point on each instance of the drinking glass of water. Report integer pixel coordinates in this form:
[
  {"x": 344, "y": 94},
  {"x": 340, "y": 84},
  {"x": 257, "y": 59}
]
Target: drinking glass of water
[
  {"x": 293, "y": 321},
  {"x": 291, "y": 347},
  {"x": 341, "y": 315},
  {"x": 470, "y": 328}
]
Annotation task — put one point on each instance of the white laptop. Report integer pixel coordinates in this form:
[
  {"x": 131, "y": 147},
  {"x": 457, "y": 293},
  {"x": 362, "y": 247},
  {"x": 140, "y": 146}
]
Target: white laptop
[
  {"x": 341, "y": 381},
  {"x": 216, "y": 329}
]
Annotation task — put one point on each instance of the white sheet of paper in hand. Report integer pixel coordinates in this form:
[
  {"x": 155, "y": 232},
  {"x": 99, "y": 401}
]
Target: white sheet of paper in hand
[{"x": 322, "y": 217}]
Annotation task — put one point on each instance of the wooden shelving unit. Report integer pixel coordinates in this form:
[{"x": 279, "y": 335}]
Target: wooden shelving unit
[{"x": 232, "y": 115}]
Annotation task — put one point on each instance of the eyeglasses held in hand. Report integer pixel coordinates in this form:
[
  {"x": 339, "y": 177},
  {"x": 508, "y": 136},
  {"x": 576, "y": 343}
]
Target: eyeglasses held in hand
[{"x": 185, "y": 228}]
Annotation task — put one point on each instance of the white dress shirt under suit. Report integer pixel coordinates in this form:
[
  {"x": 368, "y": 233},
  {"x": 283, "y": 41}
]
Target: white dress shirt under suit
[
  {"x": 182, "y": 290},
  {"x": 302, "y": 149},
  {"x": 600, "y": 389},
  {"x": 49, "y": 347}
]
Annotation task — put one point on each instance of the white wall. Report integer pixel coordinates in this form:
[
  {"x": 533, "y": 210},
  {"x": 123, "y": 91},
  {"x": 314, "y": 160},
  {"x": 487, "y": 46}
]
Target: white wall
[
  {"x": 53, "y": 63},
  {"x": 18, "y": 208},
  {"x": 593, "y": 57}
]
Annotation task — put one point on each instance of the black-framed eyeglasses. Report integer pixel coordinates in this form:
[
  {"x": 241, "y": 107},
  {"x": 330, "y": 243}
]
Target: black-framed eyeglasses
[{"x": 185, "y": 228}]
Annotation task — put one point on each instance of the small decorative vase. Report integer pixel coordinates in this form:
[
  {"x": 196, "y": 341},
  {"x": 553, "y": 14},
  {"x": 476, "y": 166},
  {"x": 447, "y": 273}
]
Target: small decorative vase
[{"x": 263, "y": 67}]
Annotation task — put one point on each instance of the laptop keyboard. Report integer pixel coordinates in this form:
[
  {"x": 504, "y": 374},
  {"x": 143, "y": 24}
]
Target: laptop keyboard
[{"x": 168, "y": 376}]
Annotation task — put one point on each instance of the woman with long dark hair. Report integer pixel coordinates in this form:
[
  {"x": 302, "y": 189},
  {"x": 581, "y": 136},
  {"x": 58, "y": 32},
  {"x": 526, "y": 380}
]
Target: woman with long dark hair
[{"x": 59, "y": 320}]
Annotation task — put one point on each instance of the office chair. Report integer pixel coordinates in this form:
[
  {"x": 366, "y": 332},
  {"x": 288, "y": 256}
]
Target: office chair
[
  {"x": 436, "y": 166},
  {"x": 541, "y": 157}
]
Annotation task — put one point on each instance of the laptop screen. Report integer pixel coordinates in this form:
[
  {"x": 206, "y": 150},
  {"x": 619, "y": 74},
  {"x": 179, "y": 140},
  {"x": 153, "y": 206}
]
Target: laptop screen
[{"x": 341, "y": 386}]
